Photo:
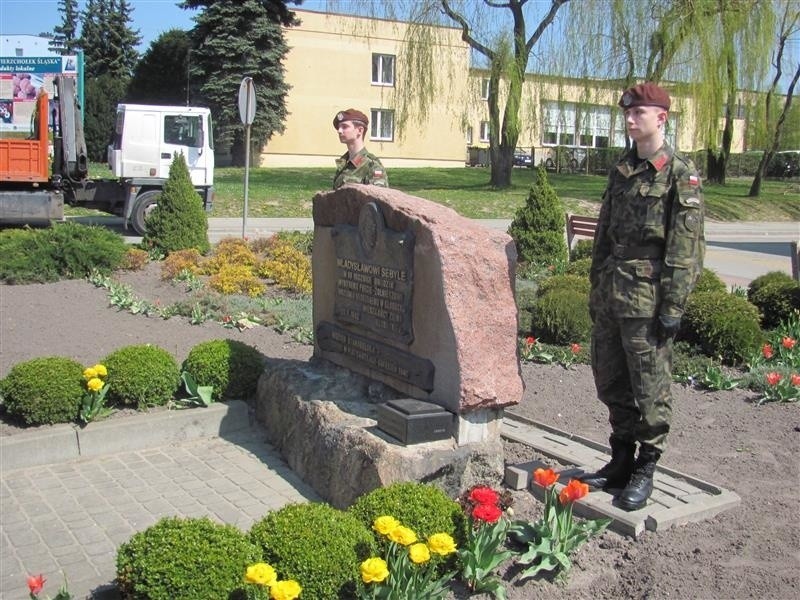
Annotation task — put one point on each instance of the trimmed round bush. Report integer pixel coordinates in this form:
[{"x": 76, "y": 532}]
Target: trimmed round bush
[
  {"x": 562, "y": 316},
  {"x": 184, "y": 559},
  {"x": 580, "y": 266},
  {"x": 526, "y": 301},
  {"x": 230, "y": 366},
  {"x": 767, "y": 279},
  {"x": 564, "y": 282},
  {"x": 43, "y": 391},
  {"x": 582, "y": 249},
  {"x": 142, "y": 375},
  {"x": 424, "y": 508},
  {"x": 722, "y": 325},
  {"x": 317, "y": 545},
  {"x": 709, "y": 282},
  {"x": 776, "y": 298}
]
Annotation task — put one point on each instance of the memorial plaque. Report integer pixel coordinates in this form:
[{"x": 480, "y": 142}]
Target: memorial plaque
[
  {"x": 381, "y": 357},
  {"x": 374, "y": 276}
]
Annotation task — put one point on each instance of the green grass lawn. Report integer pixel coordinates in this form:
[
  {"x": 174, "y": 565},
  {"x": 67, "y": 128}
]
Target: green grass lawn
[{"x": 288, "y": 193}]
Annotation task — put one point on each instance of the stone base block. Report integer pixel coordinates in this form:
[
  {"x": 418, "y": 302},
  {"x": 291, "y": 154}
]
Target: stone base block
[{"x": 323, "y": 420}]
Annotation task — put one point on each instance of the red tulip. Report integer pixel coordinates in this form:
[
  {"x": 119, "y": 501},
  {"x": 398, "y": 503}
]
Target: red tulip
[
  {"x": 530, "y": 340},
  {"x": 773, "y": 378},
  {"x": 36, "y": 583},
  {"x": 574, "y": 490},
  {"x": 545, "y": 477},
  {"x": 489, "y": 513},
  {"x": 796, "y": 380},
  {"x": 484, "y": 495},
  {"x": 766, "y": 350},
  {"x": 575, "y": 348},
  {"x": 788, "y": 343}
]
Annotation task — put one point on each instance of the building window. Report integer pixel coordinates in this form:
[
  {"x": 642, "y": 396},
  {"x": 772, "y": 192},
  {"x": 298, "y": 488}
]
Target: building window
[
  {"x": 382, "y": 127},
  {"x": 383, "y": 69},
  {"x": 569, "y": 124},
  {"x": 484, "y": 88},
  {"x": 484, "y": 131},
  {"x": 469, "y": 134}
]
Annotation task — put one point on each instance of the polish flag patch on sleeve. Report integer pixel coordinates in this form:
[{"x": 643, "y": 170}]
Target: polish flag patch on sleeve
[{"x": 694, "y": 180}]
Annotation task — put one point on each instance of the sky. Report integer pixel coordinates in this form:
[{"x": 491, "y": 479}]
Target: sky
[{"x": 150, "y": 17}]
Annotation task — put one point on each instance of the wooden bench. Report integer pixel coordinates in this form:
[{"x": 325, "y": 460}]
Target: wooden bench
[{"x": 578, "y": 226}]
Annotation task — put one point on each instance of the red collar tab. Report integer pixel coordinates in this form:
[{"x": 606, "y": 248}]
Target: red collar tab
[
  {"x": 359, "y": 158},
  {"x": 660, "y": 161}
]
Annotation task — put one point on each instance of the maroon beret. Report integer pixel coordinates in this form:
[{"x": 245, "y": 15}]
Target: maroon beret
[
  {"x": 351, "y": 114},
  {"x": 645, "y": 94}
]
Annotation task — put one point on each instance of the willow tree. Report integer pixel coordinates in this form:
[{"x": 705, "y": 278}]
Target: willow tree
[
  {"x": 497, "y": 33},
  {"x": 789, "y": 28}
]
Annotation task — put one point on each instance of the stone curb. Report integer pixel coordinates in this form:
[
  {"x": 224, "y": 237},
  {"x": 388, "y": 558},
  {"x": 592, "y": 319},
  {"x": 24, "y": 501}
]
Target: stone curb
[{"x": 68, "y": 442}]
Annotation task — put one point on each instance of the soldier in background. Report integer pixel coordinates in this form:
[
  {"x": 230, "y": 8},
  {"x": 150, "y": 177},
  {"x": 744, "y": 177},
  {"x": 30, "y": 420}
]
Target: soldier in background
[
  {"x": 647, "y": 256},
  {"x": 357, "y": 165}
]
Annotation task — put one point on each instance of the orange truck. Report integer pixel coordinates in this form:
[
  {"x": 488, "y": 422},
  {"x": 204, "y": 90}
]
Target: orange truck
[{"x": 34, "y": 186}]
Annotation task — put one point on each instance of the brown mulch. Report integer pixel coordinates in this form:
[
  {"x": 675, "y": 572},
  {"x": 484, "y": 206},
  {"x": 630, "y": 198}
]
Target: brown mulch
[{"x": 721, "y": 437}]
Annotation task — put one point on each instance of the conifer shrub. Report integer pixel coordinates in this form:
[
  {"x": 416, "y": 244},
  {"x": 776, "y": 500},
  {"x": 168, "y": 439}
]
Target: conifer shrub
[
  {"x": 317, "y": 545},
  {"x": 230, "y": 366},
  {"x": 179, "y": 220},
  {"x": 526, "y": 302},
  {"x": 561, "y": 314},
  {"x": 423, "y": 507},
  {"x": 134, "y": 259},
  {"x": 288, "y": 267},
  {"x": 776, "y": 295},
  {"x": 709, "y": 281},
  {"x": 181, "y": 261},
  {"x": 723, "y": 325},
  {"x": 230, "y": 251},
  {"x": 236, "y": 279},
  {"x": 581, "y": 267},
  {"x": 538, "y": 226},
  {"x": 582, "y": 249},
  {"x": 141, "y": 376},
  {"x": 44, "y": 391},
  {"x": 185, "y": 559}
]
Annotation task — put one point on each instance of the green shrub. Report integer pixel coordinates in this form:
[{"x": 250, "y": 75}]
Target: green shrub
[
  {"x": 64, "y": 251},
  {"x": 582, "y": 267},
  {"x": 317, "y": 545},
  {"x": 582, "y": 249},
  {"x": 141, "y": 376},
  {"x": 723, "y": 325},
  {"x": 538, "y": 225},
  {"x": 179, "y": 221},
  {"x": 709, "y": 281},
  {"x": 564, "y": 282},
  {"x": 526, "y": 301},
  {"x": 44, "y": 390},
  {"x": 231, "y": 367},
  {"x": 767, "y": 279},
  {"x": 777, "y": 300},
  {"x": 424, "y": 508},
  {"x": 561, "y": 315},
  {"x": 184, "y": 559}
]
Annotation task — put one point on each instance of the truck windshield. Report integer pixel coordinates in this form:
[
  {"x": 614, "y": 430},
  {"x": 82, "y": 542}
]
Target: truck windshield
[{"x": 183, "y": 130}]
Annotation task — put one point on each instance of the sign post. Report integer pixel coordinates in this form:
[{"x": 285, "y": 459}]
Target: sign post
[{"x": 247, "y": 112}]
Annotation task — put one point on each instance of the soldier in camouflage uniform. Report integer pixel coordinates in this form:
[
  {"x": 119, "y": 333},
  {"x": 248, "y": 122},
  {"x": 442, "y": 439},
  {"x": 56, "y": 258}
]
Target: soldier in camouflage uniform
[
  {"x": 648, "y": 253},
  {"x": 356, "y": 165}
]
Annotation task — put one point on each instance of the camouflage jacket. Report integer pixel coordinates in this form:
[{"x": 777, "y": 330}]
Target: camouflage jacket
[
  {"x": 649, "y": 245},
  {"x": 364, "y": 168}
]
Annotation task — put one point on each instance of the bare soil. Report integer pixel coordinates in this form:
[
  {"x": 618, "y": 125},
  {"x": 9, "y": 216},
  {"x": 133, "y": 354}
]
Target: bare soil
[{"x": 752, "y": 551}]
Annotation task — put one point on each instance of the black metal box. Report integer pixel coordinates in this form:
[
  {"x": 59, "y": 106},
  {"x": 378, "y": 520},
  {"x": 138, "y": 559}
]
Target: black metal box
[{"x": 414, "y": 421}]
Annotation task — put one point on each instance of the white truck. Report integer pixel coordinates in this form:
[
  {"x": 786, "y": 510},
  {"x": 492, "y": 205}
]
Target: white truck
[{"x": 146, "y": 138}]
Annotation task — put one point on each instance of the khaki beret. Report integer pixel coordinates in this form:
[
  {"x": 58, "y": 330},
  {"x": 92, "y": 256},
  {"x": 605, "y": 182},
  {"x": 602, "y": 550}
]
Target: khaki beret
[
  {"x": 351, "y": 114},
  {"x": 645, "y": 94}
]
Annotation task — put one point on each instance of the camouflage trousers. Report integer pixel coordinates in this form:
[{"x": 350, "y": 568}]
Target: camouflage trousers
[{"x": 633, "y": 373}]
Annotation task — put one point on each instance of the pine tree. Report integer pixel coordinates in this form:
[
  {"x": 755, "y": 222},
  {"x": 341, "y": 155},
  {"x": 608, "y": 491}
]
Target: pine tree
[
  {"x": 160, "y": 77},
  {"x": 231, "y": 41},
  {"x": 178, "y": 222},
  {"x": 538, "y": 226},
  {"x": 65, "y": 39}
]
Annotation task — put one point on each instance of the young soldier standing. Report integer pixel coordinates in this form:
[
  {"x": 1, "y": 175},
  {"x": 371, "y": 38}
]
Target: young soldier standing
[
  {"x": 356, "y": 165},
  {"x": 647, "y": 256}
]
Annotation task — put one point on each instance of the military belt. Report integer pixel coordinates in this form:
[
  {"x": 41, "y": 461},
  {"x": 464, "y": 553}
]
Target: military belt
[{"x": 637, "y": 252}]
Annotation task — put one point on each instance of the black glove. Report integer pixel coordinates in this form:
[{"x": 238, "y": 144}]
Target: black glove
[{"x": 667, "y": 327}]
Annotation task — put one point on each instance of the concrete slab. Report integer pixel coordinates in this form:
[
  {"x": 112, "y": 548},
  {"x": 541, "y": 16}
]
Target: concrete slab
[
  {"x": 678, "y": 498},
  {"x": 30, "y": 449}
]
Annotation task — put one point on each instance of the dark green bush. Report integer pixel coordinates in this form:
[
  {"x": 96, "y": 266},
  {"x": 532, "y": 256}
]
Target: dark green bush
[
  {"x": 526, "y": 301},
  {"x": 538, "y": 226},
  {"x": 777, "y": 298},
  {"x": 723, "y": 325},
  {"x": 709, "y": 282},
  {"x": 44, "y": 390},
  {"x": 582, "y": 249},
  {"x": 317, "y": 545},
  {"x": 184, "y": 559},
  {"x": 564, "y": 282},
  {"x": 561, "y": 315},
  {"x": 64, "y": 251},
  {"x": 231, "y": 367},
  {"x": 424, "y": 508},
  {"x": 179, "y": 221},
  {"x": 141, "y": 376},
  {"x": 581, "y": 267},
  {"x": 767, "y": 279}
]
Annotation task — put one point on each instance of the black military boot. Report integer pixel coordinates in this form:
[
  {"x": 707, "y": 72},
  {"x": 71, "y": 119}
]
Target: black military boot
[
  {"x": 639, "y": 488},
  {"x": 617, "y": 472}
]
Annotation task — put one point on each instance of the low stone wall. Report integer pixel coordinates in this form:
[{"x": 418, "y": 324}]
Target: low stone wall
[{"x": 322, "y": 418}]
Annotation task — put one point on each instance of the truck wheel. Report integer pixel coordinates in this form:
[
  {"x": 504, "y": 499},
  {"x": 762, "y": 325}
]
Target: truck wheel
[{"x": 145, "y": 203}]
